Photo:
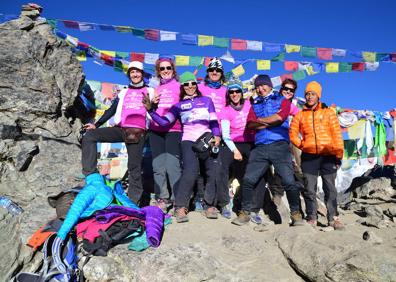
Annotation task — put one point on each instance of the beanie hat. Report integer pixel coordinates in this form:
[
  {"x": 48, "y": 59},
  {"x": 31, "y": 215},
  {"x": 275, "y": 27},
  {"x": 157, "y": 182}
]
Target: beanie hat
[
  {"x": 136, "y": 65},
  {"x": 314, "y": 87},
  {"x": 215, "y": 63},
  {"x": 186, "y": 77},
  {"x": 262, "y": 79},
  {"x": 234, "y": 83}
]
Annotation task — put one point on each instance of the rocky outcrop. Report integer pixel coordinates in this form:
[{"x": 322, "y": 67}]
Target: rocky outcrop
[{"x": 39, "y": 81}]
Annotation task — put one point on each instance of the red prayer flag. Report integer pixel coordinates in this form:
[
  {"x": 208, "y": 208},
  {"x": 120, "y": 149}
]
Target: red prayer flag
[
  {"x": 358, "y": 66},
  {"x": 207, "y": 61},
  {"x": 82, "y": 45},
  {"x": 393, "y": 57},
  {"x": 286, "y": 75},
  {"x": 137, "y": 57},
  {"x": 152, "y": 34},
  {"x": 108, "y": 60},
  {"x": 324, "y": 53},
  {"x": 291, "y": 65},
  {"x": 238, "y": 44},
  {"x": 71, "y": 24}
]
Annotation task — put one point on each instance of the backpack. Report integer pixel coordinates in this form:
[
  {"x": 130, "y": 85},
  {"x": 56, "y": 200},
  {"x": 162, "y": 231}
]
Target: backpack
[
  {"x": 120, "y": 232},
  {"x": 60, "y": 262}
]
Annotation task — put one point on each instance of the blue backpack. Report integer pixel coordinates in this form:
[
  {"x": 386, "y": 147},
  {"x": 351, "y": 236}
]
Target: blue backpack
[{"x": 60, "y": 262}]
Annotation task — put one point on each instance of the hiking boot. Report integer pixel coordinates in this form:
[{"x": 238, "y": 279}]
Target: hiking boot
[
  {"x": 312, "y": 222},
  {"x": 337, "y": 224},
  {"x": 255, "y": 218},
  {"x": 242, "y": 219},
  {"x": 199, "y": 205},
  {"x": 181, "y": 215},
  {"x": 226, "y": 212},
  {"x": 162, "y": 204},
  {"x": 211, "y": 213},
  {"x": 296, "y": 219}
]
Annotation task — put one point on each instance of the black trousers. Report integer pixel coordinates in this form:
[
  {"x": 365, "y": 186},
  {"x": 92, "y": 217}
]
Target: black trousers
[{"x": 135, "y": 155}]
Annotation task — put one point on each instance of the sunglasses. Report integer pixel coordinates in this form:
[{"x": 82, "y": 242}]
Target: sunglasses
[
  {"x": 189, "y": 84},
  {"x": 214, "y": 69},
  {"x": 292, "y": 90},
  {"x": 238, "y": 91},
  {"x": 165, "y": 68}
]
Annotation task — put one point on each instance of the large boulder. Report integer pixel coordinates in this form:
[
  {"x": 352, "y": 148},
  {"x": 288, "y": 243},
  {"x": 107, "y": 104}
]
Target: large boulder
[{"x": 39, "y": 82}]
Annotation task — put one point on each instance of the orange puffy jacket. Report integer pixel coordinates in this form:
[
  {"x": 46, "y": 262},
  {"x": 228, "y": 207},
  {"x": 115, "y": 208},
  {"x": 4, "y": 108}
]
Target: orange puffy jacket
[{"x": 320, "y": 132}]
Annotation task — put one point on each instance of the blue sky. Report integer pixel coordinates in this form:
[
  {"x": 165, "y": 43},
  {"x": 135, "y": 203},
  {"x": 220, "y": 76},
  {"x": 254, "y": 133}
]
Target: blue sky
[{"x": 353, "y": 25}]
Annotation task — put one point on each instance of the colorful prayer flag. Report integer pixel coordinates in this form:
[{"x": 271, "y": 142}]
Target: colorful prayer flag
[
  {"x": 369, "y": 56},
  {"x": 299, "y": 75},
  {"x": 118, "y": 65},
  {"x": 238, "y": 44},
  {"x": 137, "y": 57},
  {"x": 382, "y": 57},
  {"x": 196, "y": 61},
  {"x": 290, "y": 66},
  {"x": 221, "y": 42},
  {"x": 71, "y": 24},
  {"x": 286, "y": 76},
  {"x": 357, "y": 54},
  {"x": 325, "y": 53},
  {"x": 207, "y": 61},
  {"x": 332, "y": 67},
  {"x": 238, "y": 71},
  {"x": 372, "y": 66},
  {"x": 276, "y": 81},
  {"x": 60, "y": 34},
  {"x": 152, "y": 34},
  {"x": 345, "y": 67},
  {"x": 82, "y": 46},
  {"x": 393, "y": 57},
  {"x": 81, "y": 56},
  {"x": 182, "y": 61},
  {"x": 121, "y": 28},
  {"x": 339, "y": 52},
  {"x": 93, "y": 52},
  {"x": 358, "y": 66},
  {"x": 138, "y": 32},
  {"x": 86, "y": 26},
  {"x": 123, "y": 55},
  {"x": 72, "y": 40},
  {"x": 272, "y": 47},
  {"x": 254, "y": 45},
  {"x": 279, "y": 58},
  {"x": 205, "y": 40},
  {"x": 150, "y": 58},
  {"x": 108, "y": 53},
  {"x": 308, "y": 52},
  {"x": 263, "y": 64},
  {"x": 292, "y": 48},
  {"x": 189, "y": 39},
  {"x": 167, "y": 35},
  {"x": 106, "y": 27}
]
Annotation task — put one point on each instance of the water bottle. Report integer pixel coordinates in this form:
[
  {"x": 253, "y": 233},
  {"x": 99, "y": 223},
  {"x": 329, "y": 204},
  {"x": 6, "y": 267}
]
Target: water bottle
[{"x": 12, "y": 207}]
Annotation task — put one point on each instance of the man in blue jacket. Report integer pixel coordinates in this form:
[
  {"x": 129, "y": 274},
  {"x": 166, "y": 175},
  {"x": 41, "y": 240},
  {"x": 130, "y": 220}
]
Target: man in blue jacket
[{"x": 268, "y": 116}]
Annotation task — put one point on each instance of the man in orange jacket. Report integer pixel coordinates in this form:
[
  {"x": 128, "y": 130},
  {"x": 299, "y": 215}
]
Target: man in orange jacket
[{"x": 322, "y": 149}]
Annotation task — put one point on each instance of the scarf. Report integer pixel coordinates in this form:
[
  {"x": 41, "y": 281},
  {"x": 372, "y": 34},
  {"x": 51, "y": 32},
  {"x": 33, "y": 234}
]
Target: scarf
[
  {"x": 213, "y": 84},
  {"x": 136, "y": 85},
  {"x": 165, "y": 80}
]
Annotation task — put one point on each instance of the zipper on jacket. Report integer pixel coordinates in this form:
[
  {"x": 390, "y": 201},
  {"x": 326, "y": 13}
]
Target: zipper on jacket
[{"x": 313, "y": 124}]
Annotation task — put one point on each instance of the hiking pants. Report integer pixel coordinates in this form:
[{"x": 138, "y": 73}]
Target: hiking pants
[
  {"x": 312, "y": 167},
  {"x": 135, "y": 155},
  {"x": 262, "y": 156},
  {"x": 165, "y": 150},
  {"x": 190, "y": 172}
]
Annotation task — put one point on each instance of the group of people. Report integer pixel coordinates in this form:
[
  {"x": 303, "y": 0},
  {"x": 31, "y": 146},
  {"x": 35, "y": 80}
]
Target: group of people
[{"x": 251, "y": 132}]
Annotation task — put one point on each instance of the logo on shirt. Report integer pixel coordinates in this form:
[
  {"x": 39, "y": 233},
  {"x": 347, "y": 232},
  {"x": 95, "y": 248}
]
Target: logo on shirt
[{"x": 186, "y": 106}]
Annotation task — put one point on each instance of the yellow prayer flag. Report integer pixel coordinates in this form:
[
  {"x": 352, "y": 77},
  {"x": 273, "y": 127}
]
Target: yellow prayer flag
[
  {"x": 125, "y": 68},
  {"x": 108, "y": 53},
  {"x": 310, "y": 70},
  {"x": 238, "y": 71},
  {"x": 81, "y": 56},
  {"x": 205, "y": 40},
  {"x": 263, "y": 64},
  {"x": 369, "y": 56},
  {"x": 182, "y": 60},
  {"x": 332, "y": 67},
  {"x": 292, "y": 48}
]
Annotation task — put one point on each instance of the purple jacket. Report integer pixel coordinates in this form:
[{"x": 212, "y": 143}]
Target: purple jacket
[{"x": 153, "y": 216}]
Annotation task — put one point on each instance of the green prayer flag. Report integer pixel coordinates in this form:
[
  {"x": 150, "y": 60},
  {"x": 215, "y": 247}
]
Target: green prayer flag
[
  {"x": 279, "y": 58},
  {"x": 138, "y": 32},
  {"x": 52, "y": 23},
  {"x": 299, "y": 75},
  {"x": 118, "y": 65},
  {"x": 123, "y": 55},
  {"x": 221, "y": 42},
  {"x": 381, "y": 57},
  {"x": 195, "y": 60},
  {"x": 309, "y": 52},
  {"x": 345, "y": 67}
]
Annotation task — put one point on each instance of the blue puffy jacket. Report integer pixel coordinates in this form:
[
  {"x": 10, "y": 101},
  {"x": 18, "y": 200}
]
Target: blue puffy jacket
[{"x": 93, "y": 197}]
